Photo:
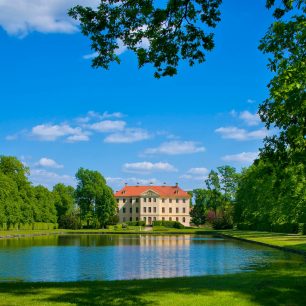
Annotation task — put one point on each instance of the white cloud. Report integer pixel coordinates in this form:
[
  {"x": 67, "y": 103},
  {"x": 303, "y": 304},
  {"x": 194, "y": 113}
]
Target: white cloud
[
  {"x": 235, "y": 133},
  {"x": 49, "y": 132},
  {"x": 198, "y": 171},
  {"x": 48, "y": 163},
  {"x": 129, "y": 135},
  {"x": 147, "y": 167},
  {"x": 249, "y": 118},
  {"x": 20, "y": 17},
  {"x": 91, "y": 115},
  {"x": 118, "y": 51},
  {"x": 243, "y": 158},
  {"x": 49, "y": 179},
  {"x": 108, "y": 126},
  {"x": 251, "y": 101},
  {"x": 176, "y": 148},
  {"x": 197, "y": 174}
]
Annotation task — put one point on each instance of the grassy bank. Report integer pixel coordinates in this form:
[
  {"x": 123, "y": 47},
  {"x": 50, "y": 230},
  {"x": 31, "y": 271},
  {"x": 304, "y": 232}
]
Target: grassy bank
[
  {"x": 111, "y": 230},
  {"x": 278, "y": 285},
  {"x": 291, "y": 241}
]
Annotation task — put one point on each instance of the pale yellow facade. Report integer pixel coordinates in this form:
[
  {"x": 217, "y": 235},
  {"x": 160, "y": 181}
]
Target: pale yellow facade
[{"x": 150, "y": 207}]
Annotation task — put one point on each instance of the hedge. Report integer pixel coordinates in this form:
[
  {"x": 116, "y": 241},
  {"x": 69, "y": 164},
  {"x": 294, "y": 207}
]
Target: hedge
[
  {"x": 288, "y": 228},
  {"x": 170, "y": 224},
  {"x": 136, "y": 223},
  {"x": 31, "y": 226},
  {"x": 302, "y": 228}
]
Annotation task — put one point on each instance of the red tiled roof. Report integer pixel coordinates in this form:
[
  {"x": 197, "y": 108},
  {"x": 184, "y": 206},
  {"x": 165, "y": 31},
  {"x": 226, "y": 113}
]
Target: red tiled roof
[{"x": 163, "y": 191}]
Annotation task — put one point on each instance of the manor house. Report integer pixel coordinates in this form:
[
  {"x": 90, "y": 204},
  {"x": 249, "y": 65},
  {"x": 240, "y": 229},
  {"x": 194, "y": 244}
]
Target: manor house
[{"x": 152, "y": 203}]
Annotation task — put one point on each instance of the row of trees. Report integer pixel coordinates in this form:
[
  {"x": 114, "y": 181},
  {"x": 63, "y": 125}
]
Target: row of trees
[
  {"x": 91, "y": 203},
  {"x": 216, "y": 202}
]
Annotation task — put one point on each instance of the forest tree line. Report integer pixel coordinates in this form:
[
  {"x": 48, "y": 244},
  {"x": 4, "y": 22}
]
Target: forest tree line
[{"x": 23, "y": 205}]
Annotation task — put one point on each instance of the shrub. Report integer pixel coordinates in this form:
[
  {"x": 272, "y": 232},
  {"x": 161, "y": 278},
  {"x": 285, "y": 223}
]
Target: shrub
[
  {"x": 244, "y": 226},
  {"x": 70, "y": 222},
  {"x": 170, "y": 224},
  {"x": 221, "y": 223},
  {"x": 124, "y": 226},
  {"x": 302, "y": 228},
  {"x": 290, "y": 228},
  {"x": 136, "y": 223}
]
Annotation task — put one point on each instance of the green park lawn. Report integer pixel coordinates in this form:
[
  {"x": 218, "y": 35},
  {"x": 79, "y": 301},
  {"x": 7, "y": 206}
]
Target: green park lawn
[
  {"x": 281, "y": 284},
  {"x": 291, "y": 241}
]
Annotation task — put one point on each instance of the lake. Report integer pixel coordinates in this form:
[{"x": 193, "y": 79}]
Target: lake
[{"x": 74, "y": 257}]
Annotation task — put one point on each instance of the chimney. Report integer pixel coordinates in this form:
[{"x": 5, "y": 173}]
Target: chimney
[
  {"x": 137, "y": 183},
  {"x": 125, "y": 184},
  {"x": 176, "y": 184},
  {"x": 164, "y": 184}
]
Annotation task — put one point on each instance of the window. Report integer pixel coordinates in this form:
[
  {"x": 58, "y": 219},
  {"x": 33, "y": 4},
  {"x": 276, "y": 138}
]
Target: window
[
  {"x": 163, "y": 210},
  {"x": 154, "y": 218},
  {"x": 144, "y": 209},
  {"x": 184, "y": 200},
  {"x": 176, "y": 218},
  {"x": 154, "y": 199},
  {"x": 117, "y": 200},
  {"x": 145, "y": 199},
  {"x": 170, "y": 219},
  {"x": 184, "y": 210},
  {"x": 123, "y": 210},
  {"x": 163, "y": 218},
  {"x": 150, "y": 209},
  {"x": 131, "y": 219},
  {"x": 170, "y": 200},
  {"x": 170, "y": 210},
  {"x": 144, "y": 219},
  {"x": 137, "y": 210},
  {"x": 154, "y": 209},
  {"x": 177, "y": 200},
  {"x": 184, "y": 219},
  {"x": 137, "y": 200},
  {"x": 123, "y": 219},
  {"x": 177, "y": 210},
  {"x": 136, "y": 218},
  {"x": 131, "y": 210},
  {"x": 163, "y": 200},
  {"x": 123, "y": 200},
  {"x": 131, "y": 200}
]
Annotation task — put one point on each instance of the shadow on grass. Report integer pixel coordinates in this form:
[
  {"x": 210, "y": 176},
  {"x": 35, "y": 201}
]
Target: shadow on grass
[{"x": 267, "y": 287}]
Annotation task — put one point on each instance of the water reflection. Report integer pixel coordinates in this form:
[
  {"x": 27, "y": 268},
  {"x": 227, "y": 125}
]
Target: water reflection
[{"x": 111, "y": 257}]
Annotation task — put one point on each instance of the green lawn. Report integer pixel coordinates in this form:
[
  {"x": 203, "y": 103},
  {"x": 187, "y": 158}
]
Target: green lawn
[
  {"x": 273, "y": 286},
  {"x": 293, "y": 241}
]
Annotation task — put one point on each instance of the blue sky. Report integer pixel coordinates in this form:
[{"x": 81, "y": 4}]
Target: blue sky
[{"x": 58, "y": 114}]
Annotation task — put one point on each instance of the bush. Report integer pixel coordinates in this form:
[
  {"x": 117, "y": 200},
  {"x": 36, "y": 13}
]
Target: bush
[
  {"x": 290, "y": 228},
  {"x": 221, "y": 223},
  {"x": 124, "y": 226},
  {"x": 170, "y": 224},
  {"x": 70, "y": 222},
  {"x": 263, "y": 226},
  {"x": 244, "y": 226},
  {"x": 302, "y": 228},
  {"x": 136, "y": 223}
]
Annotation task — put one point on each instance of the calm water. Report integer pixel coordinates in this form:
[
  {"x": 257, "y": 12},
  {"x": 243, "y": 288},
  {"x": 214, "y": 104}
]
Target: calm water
[{"x": 114, "y": 257}]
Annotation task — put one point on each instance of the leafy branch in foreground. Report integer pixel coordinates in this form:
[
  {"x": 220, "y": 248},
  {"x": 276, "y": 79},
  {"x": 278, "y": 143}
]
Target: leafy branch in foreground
[
  {"x": 285, "y": 108},
  {"x": 159, "y": 36}
]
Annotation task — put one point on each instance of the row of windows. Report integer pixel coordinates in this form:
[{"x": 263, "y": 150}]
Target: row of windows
[
  {"x": 149, "y": 209},
  {"x": 154, "y": 219},
  {"x": 149, "y": 200}
]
